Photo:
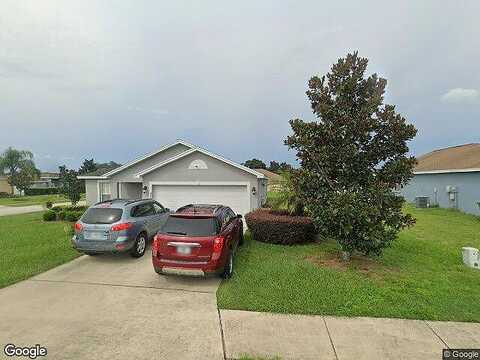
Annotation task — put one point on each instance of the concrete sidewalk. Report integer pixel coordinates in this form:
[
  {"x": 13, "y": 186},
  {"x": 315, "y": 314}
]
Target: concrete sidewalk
[
  {"x": 15, "y": 210},
  {"x": 324, "y": 337}
]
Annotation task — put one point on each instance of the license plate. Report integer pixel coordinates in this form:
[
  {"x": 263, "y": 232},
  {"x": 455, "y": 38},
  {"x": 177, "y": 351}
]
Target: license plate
[
  {"x": 184, "y": 250},
  {"x": 96, "y": 236}
]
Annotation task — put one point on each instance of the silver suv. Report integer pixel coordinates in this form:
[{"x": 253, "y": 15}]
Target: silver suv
[{"x": 119, "y": 226}]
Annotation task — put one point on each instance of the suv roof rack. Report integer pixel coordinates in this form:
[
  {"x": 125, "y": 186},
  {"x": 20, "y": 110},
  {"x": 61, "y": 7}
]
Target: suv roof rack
[
  {"x": 135, "y": 200},
  {"x": 126, "y": 201}
]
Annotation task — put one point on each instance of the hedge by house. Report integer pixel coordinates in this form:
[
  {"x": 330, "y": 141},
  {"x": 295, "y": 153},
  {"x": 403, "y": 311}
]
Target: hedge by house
[
  {"x": 47, "y": 191},
  {"x": 278, "y": 227}
]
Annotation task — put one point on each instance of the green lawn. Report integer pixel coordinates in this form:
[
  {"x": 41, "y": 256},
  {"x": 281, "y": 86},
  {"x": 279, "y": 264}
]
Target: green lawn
[
  {"x": 420, "y": 277},
  {"x": 33, "y": 200},
  {"x": 29, "y": 246}
]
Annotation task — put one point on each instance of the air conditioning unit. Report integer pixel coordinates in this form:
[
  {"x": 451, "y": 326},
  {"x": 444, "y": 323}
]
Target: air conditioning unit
[
  {"x": 422, "y": 201},
  {"x": 471, "y": 257}
]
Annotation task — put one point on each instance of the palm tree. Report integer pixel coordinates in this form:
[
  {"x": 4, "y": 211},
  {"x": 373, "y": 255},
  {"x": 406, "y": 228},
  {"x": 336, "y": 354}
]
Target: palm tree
[{"x": 12, "y": 162}]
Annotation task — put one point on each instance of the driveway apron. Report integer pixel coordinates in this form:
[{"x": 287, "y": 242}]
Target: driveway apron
[{"x": 113, "y": 307}]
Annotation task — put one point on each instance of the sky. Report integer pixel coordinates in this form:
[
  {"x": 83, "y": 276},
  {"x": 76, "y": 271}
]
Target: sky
[{"x": 117, "y": 79}]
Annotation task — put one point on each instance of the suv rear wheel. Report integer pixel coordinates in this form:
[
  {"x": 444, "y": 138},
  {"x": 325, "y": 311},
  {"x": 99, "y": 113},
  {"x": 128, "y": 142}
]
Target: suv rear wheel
[
  {"x": 140, "y": 245},
  {"x": 228, "y": 270}
]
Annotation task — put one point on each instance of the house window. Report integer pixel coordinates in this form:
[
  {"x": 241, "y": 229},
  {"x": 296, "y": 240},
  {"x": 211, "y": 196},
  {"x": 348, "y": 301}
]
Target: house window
[{"x": 105, "y": 191}]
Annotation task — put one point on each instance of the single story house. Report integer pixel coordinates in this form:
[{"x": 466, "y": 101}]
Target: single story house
[
  {"x": 449, "y": 178},
  {"x": 178, "y": 174},
  {"x": 46, "y": 180},
  {"x": 274, "y": 179},
  {"x": 5, "y": 187}
]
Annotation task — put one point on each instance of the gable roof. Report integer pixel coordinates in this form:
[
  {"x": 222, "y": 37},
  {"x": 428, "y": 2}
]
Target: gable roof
[
  {"x": 462, "y": 158},
  {"x": 270, "y": 175},
  {"x": 193, "y": 149},
  {"x": 101, "y": 174},
  {"x": 136, "y": 161}
]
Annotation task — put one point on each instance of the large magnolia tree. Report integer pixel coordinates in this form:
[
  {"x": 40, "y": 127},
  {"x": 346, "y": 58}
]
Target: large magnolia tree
[{"x": 353, "y": 157}]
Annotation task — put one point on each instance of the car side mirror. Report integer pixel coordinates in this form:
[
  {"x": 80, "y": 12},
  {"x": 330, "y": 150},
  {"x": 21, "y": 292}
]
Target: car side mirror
[{"x": 239, "y": 216}]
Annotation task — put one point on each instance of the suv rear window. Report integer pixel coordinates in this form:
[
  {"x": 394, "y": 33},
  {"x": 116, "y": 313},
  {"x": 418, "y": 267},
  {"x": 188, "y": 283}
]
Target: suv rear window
[
  {"x": 102, "y": 216},
  {"x": 185, "y": 226}
]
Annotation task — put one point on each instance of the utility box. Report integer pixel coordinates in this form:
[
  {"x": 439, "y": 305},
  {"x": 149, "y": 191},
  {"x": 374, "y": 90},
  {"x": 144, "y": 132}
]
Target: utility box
[
  {"x": 471, "y": 257},
  {"x": 422, "y": 201}
]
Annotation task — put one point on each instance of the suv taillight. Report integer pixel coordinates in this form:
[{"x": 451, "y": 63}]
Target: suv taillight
[
  {"x": 217, "y": 247},
  {"x": 78, "y": 227},
  {"x": 122, "y": 226},
  {"x": 155, "y": 245}
]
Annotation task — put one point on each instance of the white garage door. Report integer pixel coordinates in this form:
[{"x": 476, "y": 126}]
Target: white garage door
[{"x": 175, "y": 196}]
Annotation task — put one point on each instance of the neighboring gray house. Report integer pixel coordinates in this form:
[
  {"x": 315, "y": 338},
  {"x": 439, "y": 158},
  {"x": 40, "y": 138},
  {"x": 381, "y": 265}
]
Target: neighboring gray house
[
  {"x": 449, "y": 177},
  {"x": 180, "y": 174}
]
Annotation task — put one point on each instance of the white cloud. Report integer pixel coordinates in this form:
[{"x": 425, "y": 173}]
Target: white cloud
[{"x": 460, "y": 95}]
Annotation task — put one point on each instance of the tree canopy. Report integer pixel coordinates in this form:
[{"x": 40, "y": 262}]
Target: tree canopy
[
  {"x": 19, "y": 166},
  {"x": 352, "y": 158},
  {"x": 255, "y": 164},
  {"x": 88, "y": 166},
  {"x": 70, "y": 185}
]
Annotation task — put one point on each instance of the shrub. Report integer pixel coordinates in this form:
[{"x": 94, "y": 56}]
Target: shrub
[
  {"x": 49, "y": 215},
  {"x": 48, "y": 204},
  {"x": 278, "y": 227},
  {"x": 70, "y": 208},
  {"x": 5, "y": 195},
  {"x": 47, "y": 191},
  {"x": 61, "y": 215},
  {"x": 73, "y": 215}
]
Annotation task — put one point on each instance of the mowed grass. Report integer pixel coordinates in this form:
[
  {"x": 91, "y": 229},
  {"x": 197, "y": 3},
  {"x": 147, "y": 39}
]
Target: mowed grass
[
  {"x": 420, "y": 277},
  {"x": 29, "y": 246},
  {"x": 33, "y": 200}
]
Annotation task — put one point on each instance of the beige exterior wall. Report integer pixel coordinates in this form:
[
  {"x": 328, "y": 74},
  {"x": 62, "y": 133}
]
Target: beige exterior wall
[{"x": 5, "y": 186}]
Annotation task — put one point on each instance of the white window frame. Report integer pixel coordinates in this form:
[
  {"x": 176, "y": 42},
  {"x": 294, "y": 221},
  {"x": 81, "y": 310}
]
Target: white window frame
[{"x": 99, "y": 188}]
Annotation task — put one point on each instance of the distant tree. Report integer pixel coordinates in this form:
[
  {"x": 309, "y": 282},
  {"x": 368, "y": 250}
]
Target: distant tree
[
  {"x": 24, "y": 178},
  {"x": 70, "y": 185},
  {"x": 279, "y": 167},
  {"x": 88, "y": 166},
  {"x": 284, "y": 167},
  {"x": 255, "y": 164},
  {"x": 12, "y": 162},
  {"x": 274, "y": 166},
  {"x": 352, "y": 159}
]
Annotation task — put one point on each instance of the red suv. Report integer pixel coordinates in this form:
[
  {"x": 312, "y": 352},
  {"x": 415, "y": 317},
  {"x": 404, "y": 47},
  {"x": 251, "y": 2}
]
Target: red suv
[{"x": 198, "y": 240}]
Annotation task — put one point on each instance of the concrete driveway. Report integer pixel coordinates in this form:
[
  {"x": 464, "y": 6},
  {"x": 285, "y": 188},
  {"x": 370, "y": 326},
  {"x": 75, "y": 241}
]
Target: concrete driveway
[{"x": 113, "y": 307}]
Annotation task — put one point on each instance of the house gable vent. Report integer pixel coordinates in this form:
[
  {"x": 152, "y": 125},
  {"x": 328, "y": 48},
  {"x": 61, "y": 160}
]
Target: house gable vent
[{"x": 197, "y": 165}]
